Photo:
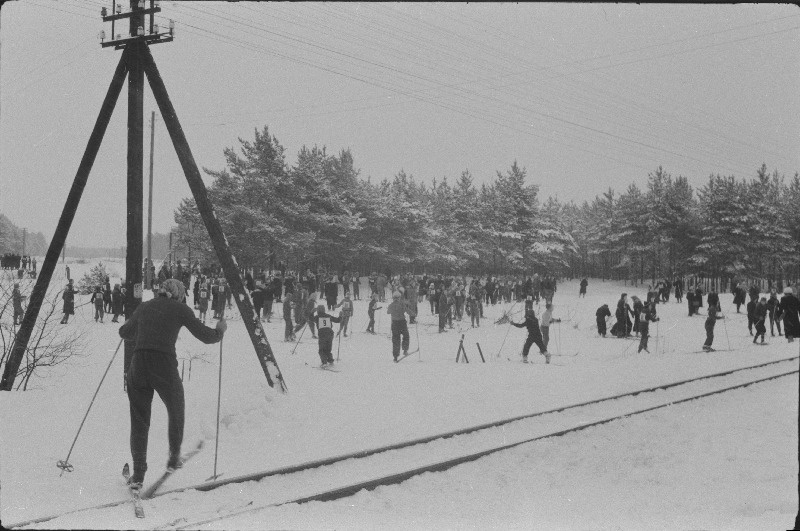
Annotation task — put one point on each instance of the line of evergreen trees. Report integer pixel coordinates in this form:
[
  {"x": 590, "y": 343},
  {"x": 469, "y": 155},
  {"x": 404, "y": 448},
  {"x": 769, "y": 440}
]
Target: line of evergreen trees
[{"x": 319, "y": 212}]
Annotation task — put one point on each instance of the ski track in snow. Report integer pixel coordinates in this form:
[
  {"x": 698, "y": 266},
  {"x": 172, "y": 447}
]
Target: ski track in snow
[{"x": 726, "y": 462}]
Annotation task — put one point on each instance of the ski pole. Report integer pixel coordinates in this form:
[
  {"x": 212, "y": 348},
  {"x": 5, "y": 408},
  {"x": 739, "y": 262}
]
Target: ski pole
[
  {"x": 559, "y": 337},
  {"x": 725, "y": 325},
  {"x": 419, "y": 351},
  {"x": 504, "y": 338},
  {"x": 339, "y": 346},
  {"x": 219, "y": 396},
  {"x": 303, "y": 331},
  {"x": 64, "y": 465}
]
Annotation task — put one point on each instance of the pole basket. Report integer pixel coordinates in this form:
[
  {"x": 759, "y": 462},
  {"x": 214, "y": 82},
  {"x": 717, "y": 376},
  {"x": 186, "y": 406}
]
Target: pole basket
[{"x": 64, "y": 466}]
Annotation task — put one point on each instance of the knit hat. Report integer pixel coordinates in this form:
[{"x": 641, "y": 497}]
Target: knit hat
[
  {"x": 173, "y": 288},
  {"x": 396, "y": 295},
  {"x": 787, "y": 291}
]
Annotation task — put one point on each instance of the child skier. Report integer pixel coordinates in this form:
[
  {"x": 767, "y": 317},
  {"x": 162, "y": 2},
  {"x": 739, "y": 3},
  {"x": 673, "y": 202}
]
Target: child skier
[
  {"x": 400, "y": 336},
  {"x": 547, "y": 318},
  {"x": 325, "y": 333},
  {"x": 347, "y": 311},
  {"x": 371, "y": 312},
  {"x": 711, "y": 320},
  {"x": 760, "y": 316},
  {"x": 97, "y": 299},
  {"x": 648, "y": 314},
  {"x": 202, "y": 302},
  {"x": 534, "y": 336}
]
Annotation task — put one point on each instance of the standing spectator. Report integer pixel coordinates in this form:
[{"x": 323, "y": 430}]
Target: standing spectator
[
  {"x": 600, "y": 317},
  {"x": 760, "y": 318},
  {"x": 287, "y": 318},
  {"x": 400, "y": 336},
  {"x": 772, "y": 308},
  {"x": 790, "y": 310},
  {"x": 17, "y": 298},
  {"x": 582, "y": 292},
  {"x": 69, "y": 301}
]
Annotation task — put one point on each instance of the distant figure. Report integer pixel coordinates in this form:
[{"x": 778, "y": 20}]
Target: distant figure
[{"x": 582, "y": 292}]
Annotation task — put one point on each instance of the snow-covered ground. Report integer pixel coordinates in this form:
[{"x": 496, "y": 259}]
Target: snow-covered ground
[{"x": 723, "y": 462}]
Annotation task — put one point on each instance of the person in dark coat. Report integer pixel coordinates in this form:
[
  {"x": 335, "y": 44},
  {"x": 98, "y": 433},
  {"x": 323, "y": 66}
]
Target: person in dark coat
[
  {"x": 444, "y": 310},
  {"x": 97, "y": 299},
  {"x": 711, "y": 320},
  {"x": 107, "y": 296},
  {"x": 69, "y": 301},
  {"x": 325, "y": 333},
  {"x": 739, "y": 296},
  {"x": 753, "y": 292},
  {"x": 17, "y": 298},
  {"x": 582, "y": 291},
  {"x": 154, "y": 328},
  {"x": 772, "y": 308},
  {"x": 790, "y": 310},
  {"x": 534, "y": 336},
  {"x": 400, "y": 336},
  {"x": 760, "y": 314},
  {"x": 331, "y": 292},
  {"x": 678, "y": 290},
  {"x": 713, "y": 300},
  {"x": 647, "y": 315},
  {"x": 258, "y": 296},
  {"x": 638, "y": 308},
  {"x": 751, "y": 314},
  {"x": 117, "y": 303},
  {"x": 287, "y": 318},
  {"x": 600, "y": 315},
  {"x": 623, "y": 326}
]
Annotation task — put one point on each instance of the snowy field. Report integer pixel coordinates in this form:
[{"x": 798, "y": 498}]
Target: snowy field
[{"x": 724, "y": 462}]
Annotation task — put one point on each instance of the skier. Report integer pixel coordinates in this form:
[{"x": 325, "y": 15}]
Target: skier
[
  {"x": 760, "y": 316},
  {"x": 324, "y": 321},
  {"x": 622, "y": 328},
  {"x": 711, "y": 320},
  {"x": 288, "y": 334},
  {"x": 331, "y": 291},
  {"x": 648, "y": 314},
  {"x": 97, "y": 299},
  {"x": 117, "y": 303},
  {"x": 547, "y": 318},
  {"x": 600, "y": 316},
  {"x": 344, "y": 315},
  {"x": 790, "y": 307},
  {"x": 107, "y": 296},
  {"x": 371, "y": 312},
  {"x": 397, "y": 309},
  {"x": 534, "y": 336},
  {"x": 638, "y": 307},
  {"x": 257, "y": 295},
  {"x": 17, "y": 298},
  {"x": 678, "y": 290},
  {"x": 202, "y": 302},
  {"x": 154, "y": 328},
  {"x": 474, "y": 313},
  {"x": 444, "y": 310},
  {"x": 582, "y": 292},
  {"x": 772, "y": 306}
]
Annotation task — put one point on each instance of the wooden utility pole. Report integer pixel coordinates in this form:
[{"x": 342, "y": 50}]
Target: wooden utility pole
[{"x": 137, "y": 61}]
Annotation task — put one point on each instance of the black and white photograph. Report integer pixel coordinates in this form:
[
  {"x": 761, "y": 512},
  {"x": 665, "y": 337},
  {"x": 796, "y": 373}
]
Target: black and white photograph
[{"x": 399, "y": 265}]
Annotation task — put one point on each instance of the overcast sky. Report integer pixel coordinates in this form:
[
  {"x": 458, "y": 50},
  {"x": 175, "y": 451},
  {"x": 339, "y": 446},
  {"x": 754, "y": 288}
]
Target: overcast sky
[{"x": 586, "y": 97}]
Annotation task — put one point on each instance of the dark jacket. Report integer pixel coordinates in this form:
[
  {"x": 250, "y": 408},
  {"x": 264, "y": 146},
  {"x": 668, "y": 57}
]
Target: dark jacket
[
  {"x": 155, "y": 325},
  {"x": 532, "y": 324}
]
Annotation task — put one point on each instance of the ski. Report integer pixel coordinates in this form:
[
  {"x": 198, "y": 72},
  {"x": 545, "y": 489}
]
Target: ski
[
  {"x": 404, "y": 356},
  {"x": 151, "y": 490},
  {"x": 137, "y": 501},
  {"x": 566, "y": 355},
  {"x": 325, "y": 368}
]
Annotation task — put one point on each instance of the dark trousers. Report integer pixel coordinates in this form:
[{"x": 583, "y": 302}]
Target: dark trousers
[
  {"x": 601, "y": 326},
  {"x": 761, "y": 329},
  {"x": 530, "y": 341},
  {"x": 643, "y": 341},
  {"x": 289, "y": 331},
  {"x": 153, "y": 371},
  {"x": 331, "y": 303},
  {"x": 371, "y": 325},
  {"x": 399, "y": 329},
  {"x": 98, "y": 312},
  {"x": 774, "y": 322},
  {"x": 326, "y": 347},
  {"x": 709, "y": 334}
]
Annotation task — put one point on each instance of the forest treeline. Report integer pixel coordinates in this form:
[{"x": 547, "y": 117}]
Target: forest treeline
[{"x": 319, "y": 212}]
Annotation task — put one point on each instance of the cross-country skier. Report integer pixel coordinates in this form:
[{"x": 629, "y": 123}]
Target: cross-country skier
[
  {"x": 97, "y": 299},
  {"x": 397, "y": 309},
  {"x": 324, "y": 323},
  {"x": 772, "y": 307},
  {"x": 760, "y": 315},
  {"x": 371, "y": 312},
  {"x": 288, "y": 334},
  {"x": 648, "y": 314},
  {"x": 600, "y": 316},
  {"x": 154, "y": 328},
  {"x": 751, "y": 314},
  {"x": 473, "y": 311},
  {"x": 202, "y": 302},
  {"x": 547, "y": 318},
  {"x": 345, "y": 313},
  {"x": 534, "y": 336},
  {"x": 711, "y": 320}
]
